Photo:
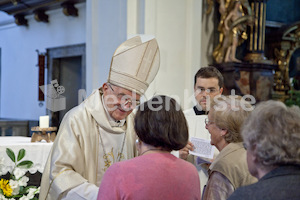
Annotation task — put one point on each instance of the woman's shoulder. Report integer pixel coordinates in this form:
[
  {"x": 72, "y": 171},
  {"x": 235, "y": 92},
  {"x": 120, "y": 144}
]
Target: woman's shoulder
[
  {"x": 122, "y": 167},
  {"x": 183, "y": 164}
]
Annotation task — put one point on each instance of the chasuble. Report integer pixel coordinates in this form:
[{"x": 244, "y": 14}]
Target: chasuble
[{"x": 78, "y": 157}]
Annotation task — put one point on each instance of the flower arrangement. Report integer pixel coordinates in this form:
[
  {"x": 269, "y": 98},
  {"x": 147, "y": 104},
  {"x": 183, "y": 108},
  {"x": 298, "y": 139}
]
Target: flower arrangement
[{"x": 16, "y": 187}]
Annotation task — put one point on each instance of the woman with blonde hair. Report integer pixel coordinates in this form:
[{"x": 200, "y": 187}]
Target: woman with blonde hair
[{"x": 229, "y": 170}]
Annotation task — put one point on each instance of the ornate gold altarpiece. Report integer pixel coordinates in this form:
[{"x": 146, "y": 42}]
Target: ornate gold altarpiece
[{"x": 264, "y": 78}]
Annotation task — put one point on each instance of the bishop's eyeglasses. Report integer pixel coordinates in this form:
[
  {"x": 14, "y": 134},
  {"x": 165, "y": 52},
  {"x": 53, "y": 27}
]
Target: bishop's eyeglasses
[{"x": 125, "y": 99}]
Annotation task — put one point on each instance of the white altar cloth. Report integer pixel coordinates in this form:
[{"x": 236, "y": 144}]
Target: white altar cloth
[{"x": 36, "y": 152}]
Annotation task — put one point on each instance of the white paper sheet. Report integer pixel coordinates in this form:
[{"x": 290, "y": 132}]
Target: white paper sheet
[
  {"x": 202, "y": 148},
  {"x": 200, "y": 137}
]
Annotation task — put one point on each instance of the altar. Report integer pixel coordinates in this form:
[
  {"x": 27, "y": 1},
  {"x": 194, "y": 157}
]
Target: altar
[
  {"x": 255, "y": 79},
  {"x": 37, "y": 152}
]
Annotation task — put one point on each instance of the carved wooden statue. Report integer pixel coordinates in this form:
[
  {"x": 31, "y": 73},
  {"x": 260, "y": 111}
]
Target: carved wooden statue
[{"x": 235, "y": 16}]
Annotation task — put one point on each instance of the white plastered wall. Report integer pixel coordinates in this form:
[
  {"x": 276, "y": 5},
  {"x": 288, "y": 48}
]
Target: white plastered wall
[
  {"x": 177, "y": 26},
  {"x": 101, "y": 24},
  {"x": 105, "y": 31},
  {"x": 19, "y": 71}
]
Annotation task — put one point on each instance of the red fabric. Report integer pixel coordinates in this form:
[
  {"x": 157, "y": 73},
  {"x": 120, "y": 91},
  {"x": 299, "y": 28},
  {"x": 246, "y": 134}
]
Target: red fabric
[
  {"x": 159, "y": 176},
  {"x": 41, "y": 76}
]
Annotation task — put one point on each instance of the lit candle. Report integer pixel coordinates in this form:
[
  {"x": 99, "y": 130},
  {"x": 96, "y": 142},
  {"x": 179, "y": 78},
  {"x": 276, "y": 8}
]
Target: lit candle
[{"x": 44, "y": 121}]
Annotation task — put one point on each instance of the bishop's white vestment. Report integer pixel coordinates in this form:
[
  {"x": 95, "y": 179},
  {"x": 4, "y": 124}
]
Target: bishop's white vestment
[{"x": 77, "y": 158}]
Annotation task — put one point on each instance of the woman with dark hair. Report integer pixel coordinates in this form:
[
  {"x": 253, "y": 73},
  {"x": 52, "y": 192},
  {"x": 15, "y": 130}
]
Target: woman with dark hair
[{"x": 156, "y": 174}]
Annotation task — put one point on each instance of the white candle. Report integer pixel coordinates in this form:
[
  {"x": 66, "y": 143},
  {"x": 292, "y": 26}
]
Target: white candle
[{"x": 44, "y": 121}]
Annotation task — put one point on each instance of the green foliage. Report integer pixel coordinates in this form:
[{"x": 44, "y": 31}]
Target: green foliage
[
  {"x": 22, "y": 191},
  {"x": 294, "y": 99},
  {"x": 11, "y": 154},
  {"x": 21, "y": 154},
  {"x": 24, "y": 164}
]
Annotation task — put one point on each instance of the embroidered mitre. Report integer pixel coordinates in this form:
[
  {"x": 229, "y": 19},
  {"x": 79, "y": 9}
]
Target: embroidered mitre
[{"x": 135, "y": 64}]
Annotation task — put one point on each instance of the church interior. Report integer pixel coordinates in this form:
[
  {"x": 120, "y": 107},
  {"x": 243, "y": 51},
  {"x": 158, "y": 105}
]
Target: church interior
[
  {"x": 46, "y": 36},
  {"x": 55, "y": 53}
]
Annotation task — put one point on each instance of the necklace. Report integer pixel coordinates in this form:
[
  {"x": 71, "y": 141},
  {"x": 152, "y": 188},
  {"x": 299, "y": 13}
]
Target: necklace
[
  {"x": 151, "y": 150},
  {"x": 105, "y": 156}
]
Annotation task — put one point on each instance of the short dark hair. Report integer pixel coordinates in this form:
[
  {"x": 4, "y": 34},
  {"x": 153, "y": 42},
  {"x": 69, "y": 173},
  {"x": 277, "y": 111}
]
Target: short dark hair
[
  {"x": 160, "y": 122},
  {"x": 209, "y": 72}
]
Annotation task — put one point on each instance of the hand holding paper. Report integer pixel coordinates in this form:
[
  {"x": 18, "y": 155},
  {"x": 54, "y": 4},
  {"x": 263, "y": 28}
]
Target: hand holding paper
[{"x": 202, "y": 148}]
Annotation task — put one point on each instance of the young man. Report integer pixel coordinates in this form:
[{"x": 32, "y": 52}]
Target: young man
[
  {"x": 99, "y": 132},
  {"x": 208, "y": 83}
]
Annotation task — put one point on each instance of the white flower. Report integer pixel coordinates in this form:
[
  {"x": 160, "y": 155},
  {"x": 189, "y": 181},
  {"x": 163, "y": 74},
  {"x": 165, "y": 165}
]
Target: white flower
[
  {"x": 1, "y": 166},
  {"x": 38, "y": 189},
  {"x": 23, "y": 181},
  {"x": 24, "y": 198},
  {"x": 19, "y": 172},
  {"x": 14, "y": 186},
  {"x": 30, "y": 195},
  {"x": 2, "y": 197},
  {"x": 31, "y": 192}
]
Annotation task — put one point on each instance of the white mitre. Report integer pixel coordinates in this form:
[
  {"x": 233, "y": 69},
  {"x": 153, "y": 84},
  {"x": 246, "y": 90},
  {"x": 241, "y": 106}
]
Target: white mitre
[{"x": 135, "y": 64}]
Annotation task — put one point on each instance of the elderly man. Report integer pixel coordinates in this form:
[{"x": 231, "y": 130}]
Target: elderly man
[
  {"x": 99, "y": 132},
  {"x": 272, "y": 139},
  {"x": 208, "y": 83}
]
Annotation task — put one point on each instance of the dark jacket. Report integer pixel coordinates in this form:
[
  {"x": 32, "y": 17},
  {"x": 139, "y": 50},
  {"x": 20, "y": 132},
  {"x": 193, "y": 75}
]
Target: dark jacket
[{"x": 282, "y": 183}]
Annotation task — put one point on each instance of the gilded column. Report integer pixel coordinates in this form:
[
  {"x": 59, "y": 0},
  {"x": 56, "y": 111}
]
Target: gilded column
[{"x": 256, "y": 41}]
